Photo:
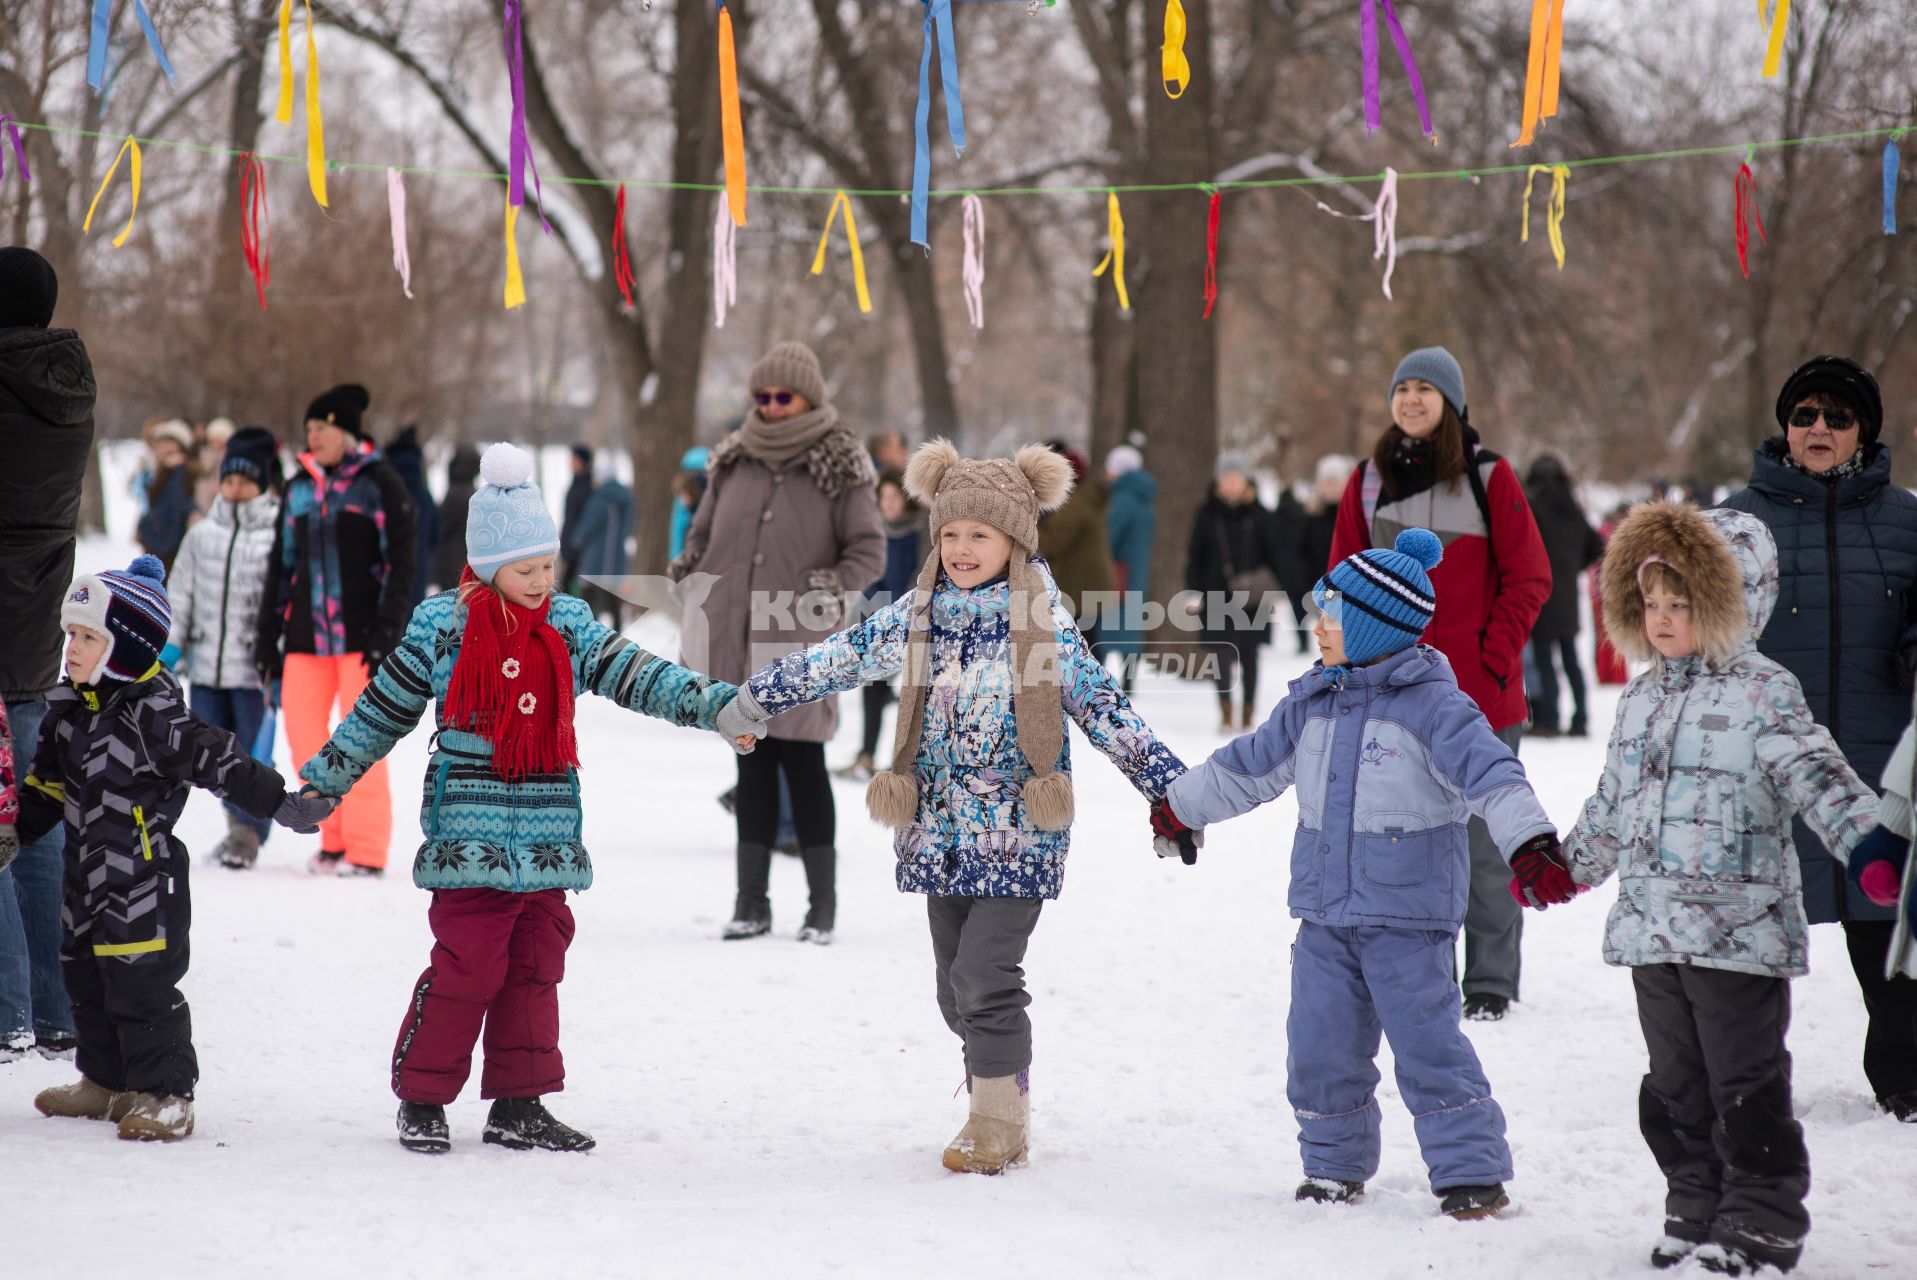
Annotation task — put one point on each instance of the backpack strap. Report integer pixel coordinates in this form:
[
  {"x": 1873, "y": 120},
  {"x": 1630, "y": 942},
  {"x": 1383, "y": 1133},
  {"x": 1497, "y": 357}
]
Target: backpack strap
[{"x": 1372, "y": 488}]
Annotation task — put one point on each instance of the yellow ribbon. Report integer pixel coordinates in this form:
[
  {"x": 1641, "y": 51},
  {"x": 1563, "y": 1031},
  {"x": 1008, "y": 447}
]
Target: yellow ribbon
[
  {"x": 283, "y": 111},
  {"x": 132, "y": 145},
  {"x": 1115, "y": 224},
  {"x": 1541, "y": 67},
  {"x": 1774, "y": 51},
  {"x": 852, "y": 235},
  {"x": 1174, "y": 66},
  {"x": 515, "y": 282},
  {"x": 1554, "y": 218}
]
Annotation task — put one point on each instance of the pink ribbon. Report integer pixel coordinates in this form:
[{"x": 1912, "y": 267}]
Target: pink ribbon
[
  {"x": 396, "y": 214},
  {"x": 725, "y": 265},
  {"x": 1384, "y": 220},
  {"x": 974, "y": 273}
]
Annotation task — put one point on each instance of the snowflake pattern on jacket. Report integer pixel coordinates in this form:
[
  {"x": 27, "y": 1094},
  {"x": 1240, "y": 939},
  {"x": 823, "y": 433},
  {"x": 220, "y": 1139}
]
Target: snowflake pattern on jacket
[{"x": 970, "y": 837}]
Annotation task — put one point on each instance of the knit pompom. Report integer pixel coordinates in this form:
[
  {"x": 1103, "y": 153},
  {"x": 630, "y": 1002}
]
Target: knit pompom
[
  {"x": 506, "y": 466},
  {"x": 1049, "y": 473},
  {"x": 148, "y": 567},
  {"x": 928, "y": 466},
  {"x": 1421, "y": 545},
  {"x": 892, "y": 798},
  {"x": 1048, "y": 801}
]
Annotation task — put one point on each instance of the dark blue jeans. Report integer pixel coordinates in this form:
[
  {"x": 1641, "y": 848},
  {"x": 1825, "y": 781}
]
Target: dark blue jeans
[
  {"x": 239, "y": 712},
  {"x": 33, "y": 995}
]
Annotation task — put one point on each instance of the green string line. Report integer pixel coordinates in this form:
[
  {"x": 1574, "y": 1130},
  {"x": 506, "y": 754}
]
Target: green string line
[{"x": 1258, "y": 184}]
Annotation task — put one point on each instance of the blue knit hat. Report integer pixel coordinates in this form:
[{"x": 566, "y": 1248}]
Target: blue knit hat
[
  {"x": 1382, "y": 599},
  {"x": 127, "y": 606},
  {"x": 1436, "y": 366},
  {"x": 507, "y": 519}
]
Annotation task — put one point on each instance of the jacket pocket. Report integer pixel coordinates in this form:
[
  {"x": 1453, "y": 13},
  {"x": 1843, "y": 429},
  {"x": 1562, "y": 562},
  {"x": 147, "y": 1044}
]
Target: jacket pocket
[
  {"x": 1395, "y": 858},
  {"x": 146, "y": 841},
  {"x": 1308, "y": 853},
  {"x": 1410, "y": 875}
]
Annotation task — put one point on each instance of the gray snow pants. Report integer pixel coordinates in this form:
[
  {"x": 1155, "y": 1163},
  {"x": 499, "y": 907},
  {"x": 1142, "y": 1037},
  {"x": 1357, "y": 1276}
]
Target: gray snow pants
[
  {"x": 1715, "y": 1107},
  {"x": 1493, "y": 920},
  {"x": 978, "y": 945}
]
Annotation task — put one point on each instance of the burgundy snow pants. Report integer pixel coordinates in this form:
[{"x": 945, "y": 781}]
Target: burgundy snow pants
[{"x": 497, "y": 958}]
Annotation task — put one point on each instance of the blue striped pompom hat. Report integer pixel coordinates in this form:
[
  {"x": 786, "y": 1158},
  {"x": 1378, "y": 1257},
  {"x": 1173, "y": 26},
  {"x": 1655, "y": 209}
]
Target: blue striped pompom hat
[{"x": 1382, "y": 599}]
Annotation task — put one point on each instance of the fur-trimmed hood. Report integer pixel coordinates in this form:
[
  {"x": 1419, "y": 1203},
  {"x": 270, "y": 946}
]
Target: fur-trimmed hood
[
  {"x": 1728, "y": 559},
  {"x": 837, "y": 463}
]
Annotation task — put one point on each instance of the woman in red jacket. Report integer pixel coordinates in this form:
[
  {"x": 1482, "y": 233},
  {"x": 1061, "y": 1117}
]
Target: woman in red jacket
[{"x": 1428, "y": 472}]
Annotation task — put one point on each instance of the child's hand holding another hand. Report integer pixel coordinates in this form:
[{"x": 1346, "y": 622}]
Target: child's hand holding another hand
[
  {"x": 1541, "y": 879},
  {"x": 303, "y": 812},
  {"x": 1877, "y": 865},
  {"x": 1171, "y": 838},
  {"x": 743, "y": 721}
]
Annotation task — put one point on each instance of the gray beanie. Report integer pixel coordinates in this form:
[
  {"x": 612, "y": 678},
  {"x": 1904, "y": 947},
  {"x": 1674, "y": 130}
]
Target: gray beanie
[
  {"x": 1436, "y": 366},
  {"x": 793, "y": 366}
]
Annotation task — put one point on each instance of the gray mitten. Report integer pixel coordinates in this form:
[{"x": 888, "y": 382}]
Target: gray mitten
[
  {"x": 304, "y": 813},
  {"x": 740, "y": 717},
  {"x": 9, "y": 844}
]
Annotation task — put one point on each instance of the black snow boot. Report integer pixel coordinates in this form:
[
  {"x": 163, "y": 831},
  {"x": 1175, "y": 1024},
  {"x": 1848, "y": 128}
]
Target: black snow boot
[
  {"x": 751, "y": 911},
  {"x": 1328, "y": 1191},
  {"x": 1738, "y": 1251},
  {"x": 1485, "y": 1008},
  {"x": 1681, "y": 1238},
  {"x": 821, "y": 876},
  {"x": 1467, "y": 1203},
  {"x": 422, "y": 1127},
  {"x": 523, "y": 1124}
]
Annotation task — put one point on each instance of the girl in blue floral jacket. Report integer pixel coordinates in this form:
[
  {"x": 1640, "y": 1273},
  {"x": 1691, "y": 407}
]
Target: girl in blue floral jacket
[{"x": 979, "y": 786}]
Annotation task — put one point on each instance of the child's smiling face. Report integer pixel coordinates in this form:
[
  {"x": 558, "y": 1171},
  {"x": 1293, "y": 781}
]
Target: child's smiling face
[
  {"x": 1667, "y": 623},
  {"x": 973, "y": 552},
  {"x": 527, "y": 582}
]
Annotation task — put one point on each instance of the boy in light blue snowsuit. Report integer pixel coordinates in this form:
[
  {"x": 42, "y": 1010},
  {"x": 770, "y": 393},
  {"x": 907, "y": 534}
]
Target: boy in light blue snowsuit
[{"x": 1390, "y": 760}]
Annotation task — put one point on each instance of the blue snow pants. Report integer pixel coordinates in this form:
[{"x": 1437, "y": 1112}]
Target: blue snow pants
[{"x": 1349, "y": 987}]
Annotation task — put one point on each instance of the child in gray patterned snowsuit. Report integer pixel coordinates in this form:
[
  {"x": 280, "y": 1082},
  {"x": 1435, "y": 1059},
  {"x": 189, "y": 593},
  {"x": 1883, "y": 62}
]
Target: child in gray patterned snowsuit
[{"x": 1713, "y": 753}]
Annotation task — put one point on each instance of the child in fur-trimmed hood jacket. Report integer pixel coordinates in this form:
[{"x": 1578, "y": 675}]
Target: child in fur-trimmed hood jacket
[
  {"x": 1714, "y": 751},
  {"x": 979, "y": 782}
]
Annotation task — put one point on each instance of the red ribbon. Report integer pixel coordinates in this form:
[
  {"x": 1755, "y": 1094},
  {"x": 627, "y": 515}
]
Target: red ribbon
[
  {"x": 253, "y": 233},
  {"x": 621, "y": 263},
  {"x": 1211, "y": 255},
  {"x": 1747, "y": 201}
]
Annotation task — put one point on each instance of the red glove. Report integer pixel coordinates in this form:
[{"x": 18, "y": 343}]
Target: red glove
[
  {"x": 1174, "y": 838},
  {"x": 1540, "y": 877},
  {"x": 1166, "y": 823}
]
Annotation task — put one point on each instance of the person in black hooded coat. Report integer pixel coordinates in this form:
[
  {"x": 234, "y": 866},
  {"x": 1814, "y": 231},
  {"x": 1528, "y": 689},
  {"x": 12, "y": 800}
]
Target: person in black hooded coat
[
  {"x": 1572, "y": 546},
  {"x": 1846, "y": 627},
  {"x": 450, "y": 560}
]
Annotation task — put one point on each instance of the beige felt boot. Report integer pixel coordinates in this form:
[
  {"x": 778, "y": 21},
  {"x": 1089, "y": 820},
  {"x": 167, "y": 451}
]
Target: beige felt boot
[
  {"x": 152, "y": 1118},
  {"x": 83, "y": 1100},
  {"x": 995, "y": 1135}
]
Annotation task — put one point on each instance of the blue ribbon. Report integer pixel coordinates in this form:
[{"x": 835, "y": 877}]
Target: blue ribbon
[
  {"x": 1890, "y": 187},
  {"x": 938, "y": 28},
  {"x": 97, "y": 41}
]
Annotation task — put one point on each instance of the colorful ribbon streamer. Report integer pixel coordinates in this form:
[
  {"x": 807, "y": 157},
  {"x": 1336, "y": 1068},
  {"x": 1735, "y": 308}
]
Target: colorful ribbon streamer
[
  {"x": 254, "y": 237},
  {"x": 938, "y": 30},
  {"x": 1747, "y": 212},
  {"x": 1368, "y": 38},
  {"x": 132, "y": 145},
  {"x": 97, "y": 41},
  {"x": 1774, "y": 47},
  {"x": 1174, "y": 67},
  {"x": 396, "y": 215},
  {"x": 515, "y": 282},
  {"x": 1211, "y": 253},
  {"x": 1115, "y": 256},
  {"x": 1384, "y": 220},
  {"x": 1890, "y": 184},
  {"x": 621, "y": 262},
  {"x": 283, "y": 110},
  {"x": 519, "y": 153},
  {"x": 973, "y": 275},
  {"x": 841, "y": 200},
  {"x": 1541, "y": 68},
  {"x": 19, "y": 152},
  {"x": 731, "y": 130},
  {"x": 725, "y": 266},
  {"x": 1554, "y": 216}
]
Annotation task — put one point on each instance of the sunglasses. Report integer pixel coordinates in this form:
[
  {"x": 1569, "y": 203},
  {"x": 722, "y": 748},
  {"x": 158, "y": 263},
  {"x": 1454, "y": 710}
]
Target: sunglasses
[
  {"x": 775, "y": 397},
  {"x": 1836, "y": 419}
]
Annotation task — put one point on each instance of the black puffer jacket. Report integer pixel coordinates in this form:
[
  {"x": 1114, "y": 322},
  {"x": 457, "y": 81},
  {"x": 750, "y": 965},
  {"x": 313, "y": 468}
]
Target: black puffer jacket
[
  {"x": 1844, "y": 625},
  {"x": 46, "y": 433},
  {"x": 1229, "y": 539}
]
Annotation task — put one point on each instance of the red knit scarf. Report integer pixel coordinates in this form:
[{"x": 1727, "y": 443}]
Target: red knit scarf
[{"x": 512, "y": 685}]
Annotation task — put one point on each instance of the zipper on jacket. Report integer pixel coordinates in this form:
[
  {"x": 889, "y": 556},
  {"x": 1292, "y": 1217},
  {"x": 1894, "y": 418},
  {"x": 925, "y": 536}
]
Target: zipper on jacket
[
  {"x": 139, "y": 820},
  {"x": 1830, "y": 574},
  {"x": 226, "y": 594}
]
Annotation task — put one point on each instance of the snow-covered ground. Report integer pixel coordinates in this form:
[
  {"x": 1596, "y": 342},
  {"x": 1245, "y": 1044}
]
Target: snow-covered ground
[{"x": 767, "y": 1108}]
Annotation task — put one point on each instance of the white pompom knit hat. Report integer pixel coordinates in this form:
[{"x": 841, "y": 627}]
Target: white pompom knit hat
[{"x": 507, "y": 519}]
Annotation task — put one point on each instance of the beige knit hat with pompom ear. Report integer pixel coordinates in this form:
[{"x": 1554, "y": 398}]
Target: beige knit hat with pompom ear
[{"x": 1008, "y": 494}]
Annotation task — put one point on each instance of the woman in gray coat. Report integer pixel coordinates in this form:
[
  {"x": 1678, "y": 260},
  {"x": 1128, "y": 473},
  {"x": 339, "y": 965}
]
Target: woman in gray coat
[{"x": 789, "y": 523}]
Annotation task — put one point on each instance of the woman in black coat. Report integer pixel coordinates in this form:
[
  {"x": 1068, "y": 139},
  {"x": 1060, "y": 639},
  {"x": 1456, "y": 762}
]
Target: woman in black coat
[
  {"x": 1572, "y": 546},
  {"x": 1846, "y": 627},
  {"x": 1234, "y": 549}
]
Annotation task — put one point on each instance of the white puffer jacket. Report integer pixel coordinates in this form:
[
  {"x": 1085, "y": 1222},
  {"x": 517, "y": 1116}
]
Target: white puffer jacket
[{"x": 216, "y": 587}]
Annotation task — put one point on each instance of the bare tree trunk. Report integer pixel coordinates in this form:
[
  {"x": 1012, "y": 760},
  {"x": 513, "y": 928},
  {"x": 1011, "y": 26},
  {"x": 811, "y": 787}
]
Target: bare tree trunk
[{"x": 1114, "y": 335}]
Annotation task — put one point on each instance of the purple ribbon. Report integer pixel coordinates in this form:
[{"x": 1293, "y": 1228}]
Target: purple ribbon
[
  {"x": 19, "y": 151},
  {"x": 518, "y": 151},
  {"x": 1368, "y": 38}
]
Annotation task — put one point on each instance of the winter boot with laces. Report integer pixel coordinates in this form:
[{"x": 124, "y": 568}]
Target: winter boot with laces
[
  {"x": 152, "y": 1117},
  {"x": 523, "y": 1124},
  {"x": 83, "y": 1100},
  {"x": 1329, "y": 1191},
  {"x": 422, "y": 1128},
  {"x": 1681, "y": 1238},
  {"x": 1468, "y": 1203},
  {"x": 240, "y": 849},
  {"x": 998, "y": 1131}
]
